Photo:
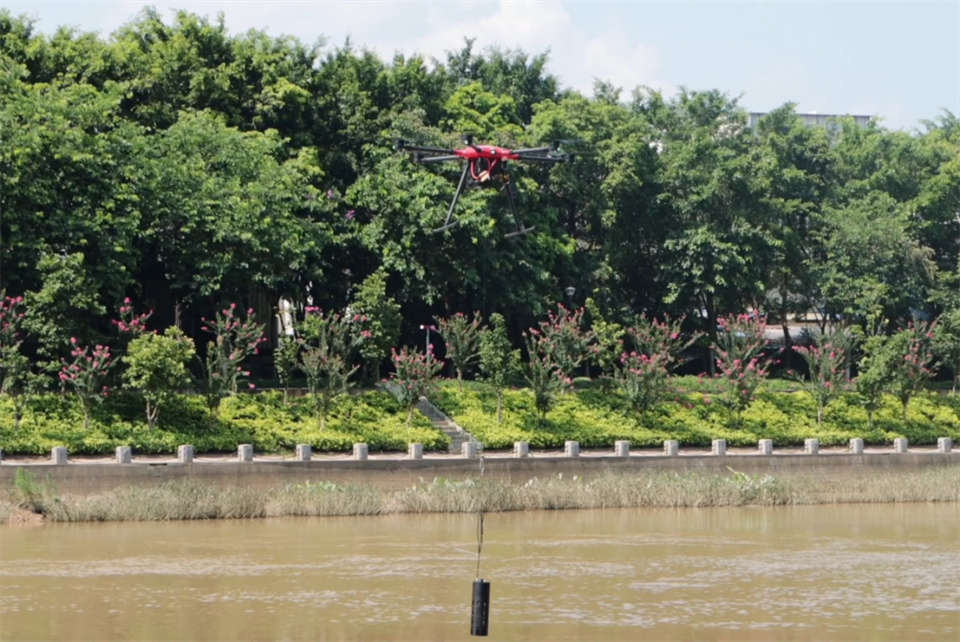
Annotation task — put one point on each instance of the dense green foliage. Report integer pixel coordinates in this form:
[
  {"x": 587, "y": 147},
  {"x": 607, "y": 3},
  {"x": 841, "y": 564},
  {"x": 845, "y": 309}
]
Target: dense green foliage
[
  {"x": 597, "y": 419},
  {"x": 186, "y": 167},
  {"x": 261, "y": 419}
]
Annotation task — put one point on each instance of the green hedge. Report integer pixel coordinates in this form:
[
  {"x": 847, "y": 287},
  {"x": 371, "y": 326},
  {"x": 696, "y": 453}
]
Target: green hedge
[
  {"x": 597, "y": 418},
  {"x": 261, "y": 419}
]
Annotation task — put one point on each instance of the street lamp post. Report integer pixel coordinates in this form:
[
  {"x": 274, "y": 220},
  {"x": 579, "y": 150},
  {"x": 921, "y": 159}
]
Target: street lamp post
[
  {"x": 570, "y": 291},
  {"x": 426, "y": 346}
]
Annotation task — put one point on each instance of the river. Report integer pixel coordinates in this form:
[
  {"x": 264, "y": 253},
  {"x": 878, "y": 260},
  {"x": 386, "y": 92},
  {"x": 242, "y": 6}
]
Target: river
[{"x": 872, "y": 572}]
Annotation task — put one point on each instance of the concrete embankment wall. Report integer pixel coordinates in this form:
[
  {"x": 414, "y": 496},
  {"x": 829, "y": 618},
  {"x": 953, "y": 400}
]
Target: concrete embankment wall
[{"x": 85, "y": 478}]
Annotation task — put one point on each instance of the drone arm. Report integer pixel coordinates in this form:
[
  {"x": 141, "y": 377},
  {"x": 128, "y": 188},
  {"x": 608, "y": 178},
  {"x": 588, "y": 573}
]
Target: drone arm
[
  {"x": 533, "y": 150},
  {"x": 423, "y": 148},
  {"x": 538, "y": 158},
  {"x": 434, "y": 159}
]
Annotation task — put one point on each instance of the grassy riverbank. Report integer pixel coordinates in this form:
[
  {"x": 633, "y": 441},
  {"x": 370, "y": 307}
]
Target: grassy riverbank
[{"x": 190, "y": 500}]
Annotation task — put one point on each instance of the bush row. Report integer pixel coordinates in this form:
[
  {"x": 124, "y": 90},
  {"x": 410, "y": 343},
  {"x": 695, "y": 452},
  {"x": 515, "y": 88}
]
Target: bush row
[
  {"x": 261, "y": 419},
  {"x": 596, "y": 418}
]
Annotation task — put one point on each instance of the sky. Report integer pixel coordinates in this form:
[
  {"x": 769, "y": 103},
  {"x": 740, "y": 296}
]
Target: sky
[{"x": 899, "y": 61}]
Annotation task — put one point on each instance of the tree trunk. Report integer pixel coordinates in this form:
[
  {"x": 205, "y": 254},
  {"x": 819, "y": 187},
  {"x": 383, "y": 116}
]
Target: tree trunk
[
  {"x": 152, "y": 412},
  {"x": 499, "y": 406}
]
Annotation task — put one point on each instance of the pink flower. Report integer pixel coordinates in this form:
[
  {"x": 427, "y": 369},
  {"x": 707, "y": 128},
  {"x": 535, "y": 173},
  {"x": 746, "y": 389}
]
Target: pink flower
[{"x": 251, "y": 386}]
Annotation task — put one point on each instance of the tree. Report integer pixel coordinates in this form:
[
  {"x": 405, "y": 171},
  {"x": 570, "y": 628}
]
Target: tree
[
  {"x": 378, "y": 317},
  {"x": 542, "y": 374},
  {"x": 157, "y": 368},
  {"x": 498, "y": 361},
  {"x": 222, "y": 214},
  {"x": 462, "y": 337},
  {"x": 791, "y": 178},
  {"x": 66, "y": 305},
  {"x": 946, "y": 343},
  {"x": 717, "y": 249},
  {"x": 608, "y": 344},
  {"x": 872, "y": 260}
]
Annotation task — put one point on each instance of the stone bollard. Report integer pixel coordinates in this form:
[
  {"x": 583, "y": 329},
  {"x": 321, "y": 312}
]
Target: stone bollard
[
  {"x": 944, "y": 445},
  {"x": 521, "y": 449},
  {"x": 245, "y": 452},
  {"x": 811, "y": 446},
  {"x": 58, "y": 455},
  {"x": 469, "y": 449},
  {"x": 360, "y": 452},
  {"x": 901, "y": 445},
  {"x": 765, "y": 446},
  {"x": 718, "y": 447},
  {"x": 304, "y": 452},
  {"x": 415, "y": 451},
  {"x": 856, "y": 446},
  {"x": 571, "y": 449},
  {"x": 185, "y": 454},
  {"x": 671, "y": 448},
  {"x": 124, "y": 455},
  {"x": 621, "y": 448}
]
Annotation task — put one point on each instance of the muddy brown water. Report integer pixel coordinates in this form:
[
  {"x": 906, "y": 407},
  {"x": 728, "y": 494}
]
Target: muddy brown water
[{"x": 871, "y": 572}]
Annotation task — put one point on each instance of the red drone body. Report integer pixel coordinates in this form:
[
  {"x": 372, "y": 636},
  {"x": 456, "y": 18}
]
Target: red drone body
[{"x": 482, "y": 163}]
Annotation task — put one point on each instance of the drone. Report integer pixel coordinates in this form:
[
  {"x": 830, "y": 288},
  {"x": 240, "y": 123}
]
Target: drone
[{"x": 484, "y": 165}]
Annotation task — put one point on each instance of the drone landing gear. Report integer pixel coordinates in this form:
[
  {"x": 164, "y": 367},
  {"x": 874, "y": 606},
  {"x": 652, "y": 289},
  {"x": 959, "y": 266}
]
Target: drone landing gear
[
  {"x": 521, "y": 228},
  {"x": 481, "y": 178},
  {"x": 456, "y": 197}
]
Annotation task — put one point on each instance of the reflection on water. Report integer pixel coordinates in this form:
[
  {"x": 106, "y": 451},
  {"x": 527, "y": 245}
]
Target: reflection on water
[{"x": 878, "y": 572}]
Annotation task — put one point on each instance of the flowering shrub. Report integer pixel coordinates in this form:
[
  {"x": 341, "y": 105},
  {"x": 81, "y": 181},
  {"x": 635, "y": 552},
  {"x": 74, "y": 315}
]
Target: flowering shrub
[
  {"x": 739, "y": 355},
  {"x": 643, "y": 379},
  {"x": 462, "y": 337},
  {"x": 14, "y": 365},
  {"x": 913, "y": 360},
  {"x": 827, "y": 366},
  {"x": 542, "y": 374},
  {"x": 235, "y": 339},
  {"x": 327, "y": 342},
  {"x": 563, "y": 340},
  {"x": 130, "y": 323},
  {"x": 85, "y": 374},
  {"x": 644, "y": 374},
  {"x": 414, "y": 374},
  {"x": 662, "y": 338}
]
